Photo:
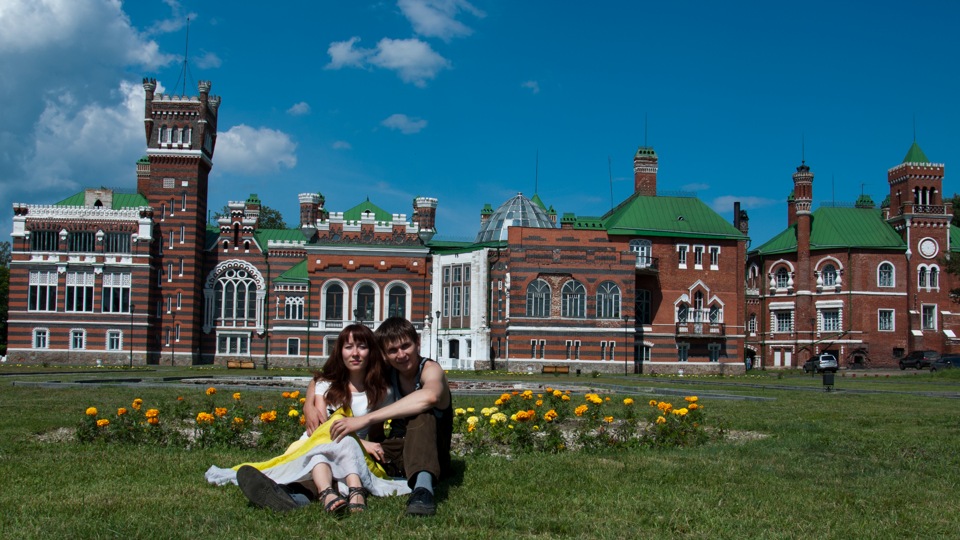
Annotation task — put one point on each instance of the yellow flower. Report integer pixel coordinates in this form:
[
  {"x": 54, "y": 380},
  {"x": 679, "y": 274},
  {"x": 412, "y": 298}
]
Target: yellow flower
[
  {"x": 220, "y": 411},
  {"x": 236, "y": 396},
  {"x": 303, "y": 400},
  {"x": 237, "y": 421},
  {"x": 295, "y": 395},
  {"x": 268, "y": 416},
  {"x": 472, "y": 420},
  {"x": 91, "y": 411},
  {"x": 504, "y": 397},
  {"x": 653, "y": 403},
  {"x": 628, "y": 401},
  {"x": 539, "y": 402},
  {"x": 565, "y": 397},
  {"x": 539, "y": 396},
  {"x": 498, "y": 418},
  {"x": 204, "y": 418},
  {"x": 580, "y": 410},
  {"x": 153, "y": 421},
  {"x": 103, "y": 422},
  {"x": 536, "y": 428},
  {"x": 211, "y": 391},
  {"x": 693, "y": 406},
  {"x": 470, "y": 409},
  {"x": 510, "y": 426},
  {"x": 556, "y": 393},
  {"x": 661, "y": 420},
  {"x": 498, "y": 402},
  {"x": 459, "y": 411},
  {"x": 527, "y": 394},
  {"x": 293, "y": 413},
  {"x": 550, "y": 415},
  {"x": 680, "y": 412},
  {"x": 152, "y": 413},
  {"x": 121, "y": 411},
  {"x": 690, "y": 399},
  {"x": 470, "y": 428},
  {"x": 549, "y": 390},
  {"x": 137, "y": 403},
  {"x": 608, "y": 419}
]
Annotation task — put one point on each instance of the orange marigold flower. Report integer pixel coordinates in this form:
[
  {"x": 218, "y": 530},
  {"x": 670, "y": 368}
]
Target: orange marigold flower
[
  {"x": 628, "y": 401},
  {"x": 580, "y": 410},
  {"x": 220, "y": 411},
  {"x": 237, "y": 421},
  {"x": 211, "y": 391},
  {"x": 236, "y": 396},
  {"x": 121, "y": 411},
  {"x": 303, "y": 400},
  {"x": 204, "y": 418},
  {"x": 295, "y": 394},
  {"x": 505, "y": 397},
  {"x": 550, "y": 415},
  {"x": 653, "y": 403},
  {"x": 268, "y": 416},
  {"x": 303, "y": 420},
  {"x": 539, "y": 402},
  {"x": 285, "y": 395},
  {"x": 556, "y": 393},
  {"x": 103, "y": 422},
  {"x": 608, "y": 419},
  {"x": 153, "y": 421},
  {"x": 693, "y": 406},
  {"x": 516, "y": 393},
  {"x": 661, "y": 420},
  {"x": 548, "y": 389},
  {"x": 137, "y": 403},
  {"x": 690, "y": 399},
  {"x": 91, "y": 411},
  {"x": 179, "y": 398},
  {"x": 152, "y": 413},
  {"x": 565, "y": 397}
]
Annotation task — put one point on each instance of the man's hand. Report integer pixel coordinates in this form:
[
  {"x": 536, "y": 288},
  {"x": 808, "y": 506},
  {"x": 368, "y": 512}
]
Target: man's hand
[{"x": 345, "y": 426}]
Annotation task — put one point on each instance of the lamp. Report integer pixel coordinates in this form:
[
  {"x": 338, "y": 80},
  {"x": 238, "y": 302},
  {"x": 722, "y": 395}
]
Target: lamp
[
  {"x": 130, "y": 337},
  {"x": 437, "y": 328}
]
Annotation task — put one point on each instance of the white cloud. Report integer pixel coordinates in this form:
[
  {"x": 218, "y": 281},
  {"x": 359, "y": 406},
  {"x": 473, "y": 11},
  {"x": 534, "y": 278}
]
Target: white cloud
[
  {"x": 207, "y": 60},
  {"x": 404, "y": 124},
  {"x": 346, "y": 54},
  {"x": 413, "y": 60},
  {"x": 725, "y": 203},
  {"x": 174, "y": 23},
  {"x": 696, "y": 187},
  {"x": 342, "y": 145},
  {"x": 251, "y": 151},
  {"x": 534, "y": 86},
  {"x": 299, "y": 109},
  {"x": 437, "y": 18}
]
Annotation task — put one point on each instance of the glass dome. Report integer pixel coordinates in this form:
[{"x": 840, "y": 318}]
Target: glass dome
[{"x": 519, "y": 211}]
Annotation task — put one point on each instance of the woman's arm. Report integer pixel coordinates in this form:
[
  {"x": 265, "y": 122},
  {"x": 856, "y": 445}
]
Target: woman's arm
[{"x": 314, "y": 408}]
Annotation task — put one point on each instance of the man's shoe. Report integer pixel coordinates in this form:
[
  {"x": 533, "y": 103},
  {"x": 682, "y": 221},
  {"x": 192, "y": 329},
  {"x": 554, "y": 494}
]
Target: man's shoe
[
  {"x": 421, "y": 503},
  {"x": 264, "y": 492}
]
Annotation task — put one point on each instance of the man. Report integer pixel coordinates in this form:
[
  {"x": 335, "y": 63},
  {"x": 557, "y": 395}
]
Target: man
[{"x": 418, "y": 446}]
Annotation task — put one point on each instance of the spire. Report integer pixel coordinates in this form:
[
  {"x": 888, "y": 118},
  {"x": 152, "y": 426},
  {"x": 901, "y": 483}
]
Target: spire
[{"x": 915, "y": 154}]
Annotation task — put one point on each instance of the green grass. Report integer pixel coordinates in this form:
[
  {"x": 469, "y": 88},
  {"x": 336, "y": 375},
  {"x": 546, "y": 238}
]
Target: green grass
[{"x": 878, "y": 458}]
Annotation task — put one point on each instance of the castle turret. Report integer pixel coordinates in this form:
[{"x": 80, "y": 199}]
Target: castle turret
[
  {"x": 425, "y": 215},
  {"x": 645, "y": 165}
]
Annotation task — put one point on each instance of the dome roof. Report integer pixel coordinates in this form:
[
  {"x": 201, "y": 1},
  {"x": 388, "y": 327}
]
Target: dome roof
[{"x": 519, "y": 211}]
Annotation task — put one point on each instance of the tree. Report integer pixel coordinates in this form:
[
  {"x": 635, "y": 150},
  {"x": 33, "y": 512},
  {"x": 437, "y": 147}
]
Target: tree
[
  {"x": 952, "y": 265},
  {"x": 269, "y": 217}
]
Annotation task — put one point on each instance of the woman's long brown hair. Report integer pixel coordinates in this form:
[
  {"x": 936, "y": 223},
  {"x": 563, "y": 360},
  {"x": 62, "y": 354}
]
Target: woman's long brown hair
[{"x": 337, "y": 374}]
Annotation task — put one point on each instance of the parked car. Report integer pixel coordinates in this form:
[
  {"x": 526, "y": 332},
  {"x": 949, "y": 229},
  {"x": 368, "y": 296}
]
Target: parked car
[
  {"x": 919, "y": 359},
  {"x": 824, "y": 362},
  {"x": 945, "y": 362}
]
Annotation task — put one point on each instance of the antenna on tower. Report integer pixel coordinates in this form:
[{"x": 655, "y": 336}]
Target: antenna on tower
[
  {"x": 803, "y": 148},
  {"x": 610, "y": 174},
  {"x": 185, "y": 70},
  {"x": 644, "y": 132},
  {"x": 914, "y": 127}
]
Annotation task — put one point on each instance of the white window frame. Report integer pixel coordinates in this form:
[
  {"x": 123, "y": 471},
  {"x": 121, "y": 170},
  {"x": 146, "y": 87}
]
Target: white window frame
[
  {"x": 714, "y": 257},
  {"x": 682, "y": 252},
  {"x": 113, "y": 335},
  {"x": 932, "y": 310},
  {"x": 880, "y": 320},
  {"x": 40, "y": 338}
]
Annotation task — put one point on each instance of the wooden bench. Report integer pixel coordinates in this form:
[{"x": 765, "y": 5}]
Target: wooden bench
[
  {"x": 240, "y": 364},
  {"x": 556, "y": 369}
]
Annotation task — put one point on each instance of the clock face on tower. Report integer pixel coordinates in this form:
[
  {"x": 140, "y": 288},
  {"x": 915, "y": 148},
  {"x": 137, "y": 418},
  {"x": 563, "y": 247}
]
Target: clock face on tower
[{"x": 928, "y": 248}]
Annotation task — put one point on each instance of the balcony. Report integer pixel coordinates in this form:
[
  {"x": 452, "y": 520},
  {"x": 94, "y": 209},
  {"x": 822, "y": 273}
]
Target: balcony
[
  {"x": 929, "y": 209},
  {"x": 700, "y": 329},
  {"x": 646, "y": 263}
]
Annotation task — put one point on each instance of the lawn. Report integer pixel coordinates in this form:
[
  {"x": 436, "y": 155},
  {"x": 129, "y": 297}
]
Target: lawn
[{"x": 877, "y": 458}]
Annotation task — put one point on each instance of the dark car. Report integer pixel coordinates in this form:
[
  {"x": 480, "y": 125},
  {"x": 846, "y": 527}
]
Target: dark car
[
  {"x": 919, "y": 359},
  {"x": 821, "y": 364},
  {"x": 946, "y": 362}
]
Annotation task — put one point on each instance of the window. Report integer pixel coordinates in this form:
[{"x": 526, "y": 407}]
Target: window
[
  {"x": 922, "y": 277},
  {"x": 644, "y": 251},
  {"x": 456, "y": 300},
  {"x": 81, "y": 241},
  {"x": 603, "y": 350},
  {"x": 683, "y": 312},
  {"x": 183, "y": 202},
  {"x": 752, "y": 323},
  {"x": 236, "y": 297},
  {"x": 783, "y": 321},
  {"x": 714, "y": 257},
  {"x": 114, "y": 340},
  {"x": 446, "y": 274},
  {"x": 171, "y": 239},
  {"x": 334, "y": 303},
  {"x": 232, "y": 344},
  {"x": 538, "y": 299},
  {"x": 934, "y": 277},
  {"x": 573, "y": 300},
  {"x": 457, "y": 272},
  {"x": 533, "y": 348},
  {"x": 43, "y": 291},
  {"x": 682, "y": 255},
  {"x": 293, "y": 346},
  {"x": 713, "y": 349},
  {"x": 698, "y": 256},
  {"x": 829, "y": 276},
  {"x": 41, "y": 338},
  {"x": 366, "y": 302},
  {"x": 116, "y": 243},
  {"x": 929, "y": 316},
  {"x": 397, "y": 301},
  {"x": 830, "y": 320},
  {"x": 716, "y": 314},
  {"x": 116, "y": 293},
  {"x": 446, "y": 301},
  {"x": 78, "y": 339},
  {"x": 170, "y": 271},
  {"x": 183, "y": 233},
  {"x": 643, "y": 307},
  {"x": 683, "y": 352},
  {"x": 576, "y": 350},
  {"x": 885, "y": 275},
  {"x": 782, "y": 278},
  {"x": 698, "y": 306},
  {"x": 466, "y": 274},
  {"x": 293, "y": 308},
  {"x": 885, "y": 320},
  {"x": 466, "y": 300},
  {"x": 569, "y": 347},
  {"x": 608, "y": 301},
  {"x": 44, "y": 241},
  {"x": 181, "y": 266},
  {"x": 543, "y": 348},
  {"x": 80, "y": 291},
  {"x": 613, "y": 346}
]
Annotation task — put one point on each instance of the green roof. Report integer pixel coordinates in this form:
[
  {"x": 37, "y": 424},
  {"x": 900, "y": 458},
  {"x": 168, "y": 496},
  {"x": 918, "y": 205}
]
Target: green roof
[
  {"x": 538, "y": 201},
  {"x": 357, "y": 212},
  {"x": 685, "y": 217},
  {"x": 954, "y": 239},
  {"x": 915, "y": 154},
  {"x": 833, "y": 228},
  {"x": 120, "y": 200},
  {"x": 280, "y": 235},
  {"x": 297, "y": 272}
]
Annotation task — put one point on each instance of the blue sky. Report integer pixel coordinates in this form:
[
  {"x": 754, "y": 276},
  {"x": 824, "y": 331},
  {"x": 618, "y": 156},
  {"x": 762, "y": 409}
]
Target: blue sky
[{"x": 456, "y": 99}]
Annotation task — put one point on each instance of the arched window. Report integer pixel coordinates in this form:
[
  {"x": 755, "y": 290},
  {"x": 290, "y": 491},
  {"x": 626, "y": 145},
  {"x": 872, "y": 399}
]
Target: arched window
[
  {"x": 397, "y": 301},
  {"x": 752, "y": 324},
  {"x": 573, "y": 300},
  {"x": 783, "y": 278},
  {"x": 934, "y": 277},
  {"x": 538, "y": 299},
  {"x": 236, "y": 297},
  {"x": 366, "y": 303},
  {"x": 922, "y": 276},
  {"x": 293, "y": 308},
  {"x": 644, "y": 252},
  {"x": 698, "y": 307},
  {"x": 885, "y": 275},
  {"x": 683, "y": 312},
  {"x": 608, "y": 301},
  {"x": 829, "y": 276},
  {"x": 333, "y": 302}
]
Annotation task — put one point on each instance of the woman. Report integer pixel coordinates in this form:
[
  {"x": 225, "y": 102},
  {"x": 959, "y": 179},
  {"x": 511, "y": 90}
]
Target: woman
[{"x": 352, "y": 378}]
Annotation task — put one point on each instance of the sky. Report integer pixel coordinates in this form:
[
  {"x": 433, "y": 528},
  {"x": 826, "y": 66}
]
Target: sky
[{"x": 474, "y": 101}]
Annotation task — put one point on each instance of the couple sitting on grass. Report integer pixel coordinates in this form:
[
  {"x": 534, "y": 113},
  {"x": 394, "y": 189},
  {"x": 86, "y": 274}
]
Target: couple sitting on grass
[{"x": 344, "y": 455}]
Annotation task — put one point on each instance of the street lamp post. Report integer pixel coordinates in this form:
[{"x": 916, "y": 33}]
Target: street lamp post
[
  {"x": 437, "y": 329},
  {"x": 625, "y": 344},
  {"x": 130, "y": 337},
  {"x": 173, "y": 336}
]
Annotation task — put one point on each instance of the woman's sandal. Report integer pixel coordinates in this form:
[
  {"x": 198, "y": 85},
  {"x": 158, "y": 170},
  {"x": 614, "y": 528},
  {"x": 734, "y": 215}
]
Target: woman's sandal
[
  {"x": 357, "y": 492},
  {"x": 332, "y": 506}
]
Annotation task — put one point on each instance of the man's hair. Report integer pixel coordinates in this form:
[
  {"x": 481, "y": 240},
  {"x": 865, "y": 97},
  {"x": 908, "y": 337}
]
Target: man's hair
[{"x": 396, "y": 329}]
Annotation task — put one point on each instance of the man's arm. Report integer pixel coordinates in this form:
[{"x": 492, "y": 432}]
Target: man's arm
[{"x": 433, "y": 392}]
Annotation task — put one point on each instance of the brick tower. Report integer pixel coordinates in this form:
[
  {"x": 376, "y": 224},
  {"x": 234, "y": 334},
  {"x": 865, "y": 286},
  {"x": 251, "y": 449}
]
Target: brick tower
[
  {"x": 645, "y": 172},
  {"x": 181, "y": 133}
]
